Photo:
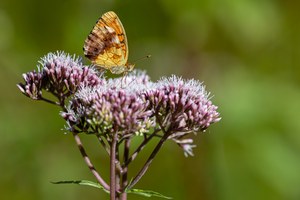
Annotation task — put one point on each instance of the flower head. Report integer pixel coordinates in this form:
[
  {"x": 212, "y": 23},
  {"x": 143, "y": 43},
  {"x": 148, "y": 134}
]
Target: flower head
[
  {"x": 109, "y": 109},
  {"x": 181, "y": 107},
  {"x": 59, "y": 73},
  {"x": 66, "y": 73},
  {"x": 33, "y": 85}
]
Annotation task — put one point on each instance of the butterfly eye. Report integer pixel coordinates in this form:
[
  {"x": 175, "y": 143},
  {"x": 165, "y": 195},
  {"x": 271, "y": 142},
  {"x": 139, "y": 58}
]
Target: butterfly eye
[{"x": 95, "y": 49}]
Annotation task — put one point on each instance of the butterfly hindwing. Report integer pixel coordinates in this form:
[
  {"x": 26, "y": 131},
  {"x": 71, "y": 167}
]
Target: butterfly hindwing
[{"x": 106, "y": 45}]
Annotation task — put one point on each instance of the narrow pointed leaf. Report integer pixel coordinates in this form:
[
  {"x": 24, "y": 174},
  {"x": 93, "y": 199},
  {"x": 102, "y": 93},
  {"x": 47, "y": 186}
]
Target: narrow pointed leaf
[
  {"x": 147, "y": 193},
  {"x": 82, "y": 182}
]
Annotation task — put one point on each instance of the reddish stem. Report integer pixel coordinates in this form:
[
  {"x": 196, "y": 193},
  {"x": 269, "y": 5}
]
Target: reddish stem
[
  {"x": 89, "y": 163},
  {"x": 113, "y": 186}
]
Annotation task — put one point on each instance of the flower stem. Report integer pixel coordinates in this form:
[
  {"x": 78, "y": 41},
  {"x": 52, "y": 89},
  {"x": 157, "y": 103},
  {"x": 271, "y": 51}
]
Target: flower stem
[
  {"x": 101, "y": 140},
  {"x": 140, "y": 148},
  {"x": 50, "y": 101},
  {"x": 113, "y": 167},
  {"x": 88, "y": 162},
  {"x": 148, "y": 162},
  {"x": 125, "y": 169}
]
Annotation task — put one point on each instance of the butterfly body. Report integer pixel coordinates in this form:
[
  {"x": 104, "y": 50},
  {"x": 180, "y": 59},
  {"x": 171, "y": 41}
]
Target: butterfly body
[{"x": 106, "y": 45}]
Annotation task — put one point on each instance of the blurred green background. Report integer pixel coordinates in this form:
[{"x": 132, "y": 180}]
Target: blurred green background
[{"x": 247, "y": 52}]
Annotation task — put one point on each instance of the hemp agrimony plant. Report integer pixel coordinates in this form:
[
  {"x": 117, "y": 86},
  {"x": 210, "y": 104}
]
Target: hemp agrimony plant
[{"x": 116, "y": 111}]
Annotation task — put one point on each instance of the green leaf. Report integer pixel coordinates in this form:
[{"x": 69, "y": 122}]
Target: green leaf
[
  {"x": 147, "y": 193},
  {"x": 82, "y": 182}
]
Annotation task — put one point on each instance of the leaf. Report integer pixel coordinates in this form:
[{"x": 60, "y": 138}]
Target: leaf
[
  {"x": 147, "y": 193},
  {"x": 82, "y": 182}
]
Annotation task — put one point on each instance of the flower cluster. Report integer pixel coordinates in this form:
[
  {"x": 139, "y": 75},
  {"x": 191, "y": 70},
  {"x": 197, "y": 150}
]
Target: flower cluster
[
  {"x": 126, "y": 106},
  {"x": 60, "y": 74},
  {"x": 107, "y": 110},
  {"x": 181, "y": 107}
]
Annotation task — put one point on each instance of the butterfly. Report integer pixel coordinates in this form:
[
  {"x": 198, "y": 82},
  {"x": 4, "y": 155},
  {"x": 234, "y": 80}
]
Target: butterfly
[{"x": 106, "y": 45}]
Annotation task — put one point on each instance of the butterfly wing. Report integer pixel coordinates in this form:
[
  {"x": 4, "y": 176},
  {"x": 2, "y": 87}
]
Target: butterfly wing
[{"x": 106, "y": 45}]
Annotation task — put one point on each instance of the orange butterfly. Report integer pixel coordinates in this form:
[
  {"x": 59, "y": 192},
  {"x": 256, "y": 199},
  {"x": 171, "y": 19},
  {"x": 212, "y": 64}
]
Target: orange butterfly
[{"x": 106, "y": 45}]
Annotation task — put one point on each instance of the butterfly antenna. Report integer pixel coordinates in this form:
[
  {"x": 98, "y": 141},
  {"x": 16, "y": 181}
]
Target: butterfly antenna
[{"x": 142, "y": 58}]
